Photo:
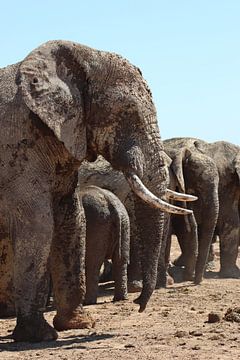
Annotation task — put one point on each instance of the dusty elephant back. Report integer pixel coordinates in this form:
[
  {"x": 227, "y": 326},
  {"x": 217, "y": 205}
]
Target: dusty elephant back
[
  {"x": 100, "y": 173},
  {"x": 103, "y": 207}
]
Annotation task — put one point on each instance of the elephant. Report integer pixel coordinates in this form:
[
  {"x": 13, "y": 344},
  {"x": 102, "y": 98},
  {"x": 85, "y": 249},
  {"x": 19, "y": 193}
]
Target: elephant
[
  {"x": 100, "y": 173},
  {"x": 107, "y": 237},
  {"x": 226, "y": 156},
  {"x": 211, "y": 171},
  {"x": 66, "y": 102}
]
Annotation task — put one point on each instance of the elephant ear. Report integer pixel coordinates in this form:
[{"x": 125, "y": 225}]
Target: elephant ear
[
  {"x": 237, "y": 166},
  {"x": 177, "y": 166},
  {"x": 50, "y": 82}
]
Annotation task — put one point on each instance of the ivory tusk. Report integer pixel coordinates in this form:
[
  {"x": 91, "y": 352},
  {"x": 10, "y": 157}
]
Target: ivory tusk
[
  {"x": 174, "y": 195},
  {"x": 140, "y": 190}
]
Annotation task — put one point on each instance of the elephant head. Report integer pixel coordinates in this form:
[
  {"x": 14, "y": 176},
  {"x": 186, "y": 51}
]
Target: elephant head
[
  {"x": 95, "y": 103},
  {"x": 98, "y": 103}
]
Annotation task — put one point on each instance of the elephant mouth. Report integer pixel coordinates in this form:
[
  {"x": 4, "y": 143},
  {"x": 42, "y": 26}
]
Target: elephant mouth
[{"x": 147, "y": 196}]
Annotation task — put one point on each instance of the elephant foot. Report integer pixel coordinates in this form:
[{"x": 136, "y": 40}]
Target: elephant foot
[
  {"x": 33, "y": 329},
  {"x": 230, "y": 272},
  {"x": 180, "y": 261},
  {"x": 120, "y": 297},
  {"x": 177, "y": 273},
  {"x": 7, "y": 310},
  {"x": 188, "y": 276},
  {"x": 90, "y": 301},
  {"x": 164, "y": 281},
  {"x": 77, "y": 319},
  {"x": 198, "y": 279},
  {"x": 135, "y": 286}
]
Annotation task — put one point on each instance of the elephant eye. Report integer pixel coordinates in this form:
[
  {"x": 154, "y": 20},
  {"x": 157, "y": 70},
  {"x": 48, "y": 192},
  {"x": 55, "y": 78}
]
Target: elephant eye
[{"x": 35, "y": 80}]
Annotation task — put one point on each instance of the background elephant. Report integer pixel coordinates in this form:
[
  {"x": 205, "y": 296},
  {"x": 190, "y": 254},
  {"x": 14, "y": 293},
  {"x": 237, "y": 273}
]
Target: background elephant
[
  {"x": 226, "y": 156},
  {"x": 197, "y": 174},
  {"x": 223, "y": 157},
  {"x": 63, "y": 103},
  {"x": 107, "y": 237}
]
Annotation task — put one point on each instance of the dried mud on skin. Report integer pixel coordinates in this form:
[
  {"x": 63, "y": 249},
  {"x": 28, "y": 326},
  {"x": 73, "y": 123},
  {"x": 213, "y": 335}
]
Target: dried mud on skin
[{"x": 174, "y": 326}]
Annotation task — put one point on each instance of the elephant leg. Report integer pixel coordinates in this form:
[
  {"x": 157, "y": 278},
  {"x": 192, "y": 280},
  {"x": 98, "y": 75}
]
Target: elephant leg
[
  {"x": 120, "y": 278},
  {"x": 229, "y": 242},
  {"x": 32, "y": 229},
  {"x": 67, "y": 263},
  {"x": 93, "y": 266},
  {"x": 178, "y": 228},
  {"x": 188, "y": 243},
  {"x": 7, "y": 303}
]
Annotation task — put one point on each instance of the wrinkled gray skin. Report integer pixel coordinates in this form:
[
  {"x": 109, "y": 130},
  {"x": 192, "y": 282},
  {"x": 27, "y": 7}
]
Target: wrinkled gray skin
[
  {"x": 210, "y": 171},
  {"x": 226, "y": 156},
  {"x": 107, "y": 237},
  {"x": 62, "y": 104},
  {"x": 101, "y": 173}
]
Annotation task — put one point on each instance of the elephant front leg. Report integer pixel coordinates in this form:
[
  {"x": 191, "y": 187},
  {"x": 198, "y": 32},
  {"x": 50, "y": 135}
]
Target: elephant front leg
[
  {"x": 68, "y": 265},
  {"x": 163, "y": 277},
  {"x": 188, "y": 241},
  {"x": 7, "y": 304},
  {"x": 229, "y": 242},
  {"x": 32, "y": 238}
]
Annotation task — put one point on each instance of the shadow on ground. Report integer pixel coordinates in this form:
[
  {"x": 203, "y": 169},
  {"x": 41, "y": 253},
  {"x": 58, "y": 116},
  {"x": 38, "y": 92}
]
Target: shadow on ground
[{"x": 65, "y": 343}]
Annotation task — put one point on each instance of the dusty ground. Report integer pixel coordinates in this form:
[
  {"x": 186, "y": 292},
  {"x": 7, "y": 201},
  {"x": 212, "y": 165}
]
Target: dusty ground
[{"x": 174, "y": 326}]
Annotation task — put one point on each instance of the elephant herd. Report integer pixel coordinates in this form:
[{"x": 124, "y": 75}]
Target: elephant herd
[{"x": 85, "y": 177}]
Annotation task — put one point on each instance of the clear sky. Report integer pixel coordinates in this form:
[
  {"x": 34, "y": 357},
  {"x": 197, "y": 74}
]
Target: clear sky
[{"x": 188, "y": 51}]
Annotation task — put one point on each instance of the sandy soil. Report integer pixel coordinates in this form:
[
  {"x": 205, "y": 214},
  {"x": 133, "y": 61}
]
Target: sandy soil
[{"x": 174, "y": 326}]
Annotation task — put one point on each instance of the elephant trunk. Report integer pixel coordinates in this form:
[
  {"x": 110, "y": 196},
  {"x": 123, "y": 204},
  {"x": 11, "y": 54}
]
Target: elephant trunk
[
  {"x": 150, "y": 222},
  {"x": 149, "y": 214}
]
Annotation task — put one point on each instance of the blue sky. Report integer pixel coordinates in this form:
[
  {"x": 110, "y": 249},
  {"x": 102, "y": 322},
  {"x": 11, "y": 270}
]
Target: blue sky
[{"x": 188, "y": 51}]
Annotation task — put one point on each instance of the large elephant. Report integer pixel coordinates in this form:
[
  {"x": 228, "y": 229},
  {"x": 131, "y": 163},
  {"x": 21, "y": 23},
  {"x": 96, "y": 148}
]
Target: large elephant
[
  {"x": 211, "y": 171},
  {"x": 63, "y": 103}
]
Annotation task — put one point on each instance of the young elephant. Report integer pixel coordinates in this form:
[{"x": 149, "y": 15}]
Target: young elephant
[{"x": 107, "y": 237}]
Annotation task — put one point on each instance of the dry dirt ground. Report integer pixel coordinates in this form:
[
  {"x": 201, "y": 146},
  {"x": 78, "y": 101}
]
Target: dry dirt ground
[{"x": 174, "y": 326}]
